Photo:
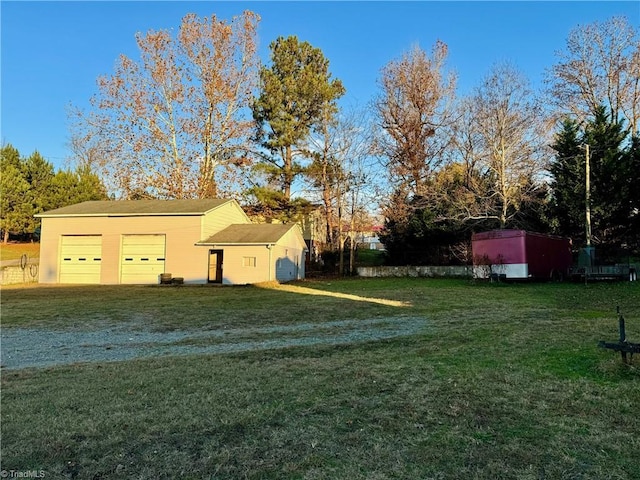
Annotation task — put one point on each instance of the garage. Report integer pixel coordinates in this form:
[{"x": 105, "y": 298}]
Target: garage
[
  {"x": 80, "y": 258},
  {"x": 142, "y": 258},
  {"x": 136, "y": 241}
]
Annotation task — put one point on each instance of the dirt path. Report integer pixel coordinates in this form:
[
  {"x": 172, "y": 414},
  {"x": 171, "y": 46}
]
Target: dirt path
[{"x": 38, "y": 348}]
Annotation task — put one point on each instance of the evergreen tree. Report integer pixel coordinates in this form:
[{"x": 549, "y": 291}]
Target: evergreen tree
[
  {"x": 632, "y": 236},
  {"x": 39, "y": 174},
  {"x": 69, "y": 187},
  {"x": 613, "y": 175},
  {"x": 16, "y": 202},
  {"x": 15, "y": 195},
  {"x": 30, "y": 186},
  {"x": 424, "y": 231},
  {"x": 610, "y": 190},
  {"x": 9, "y": 155},
  {"x": 295, "y": 91},
  {"x": 568, "y": 182}
]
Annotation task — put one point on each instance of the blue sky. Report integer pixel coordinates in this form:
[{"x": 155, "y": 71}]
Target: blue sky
[{"x": 53, "y": 52}]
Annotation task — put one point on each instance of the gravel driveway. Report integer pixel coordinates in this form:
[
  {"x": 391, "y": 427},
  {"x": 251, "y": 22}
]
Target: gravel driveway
[{"x": 38, "y": 348}]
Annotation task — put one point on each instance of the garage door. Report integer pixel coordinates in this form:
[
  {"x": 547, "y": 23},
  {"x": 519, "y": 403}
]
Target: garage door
[
  {"x": 142, "y": 259},
  {"x": 80, "y": 258}
]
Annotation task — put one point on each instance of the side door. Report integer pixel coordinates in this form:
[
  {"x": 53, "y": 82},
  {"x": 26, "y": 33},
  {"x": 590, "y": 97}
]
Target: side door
[{"x": 215, "y": 266}]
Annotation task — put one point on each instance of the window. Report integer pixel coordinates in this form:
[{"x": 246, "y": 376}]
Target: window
[{"x": 248, "y": 261}]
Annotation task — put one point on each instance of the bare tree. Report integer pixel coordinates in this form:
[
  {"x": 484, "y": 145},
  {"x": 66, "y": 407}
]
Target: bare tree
[
  {"x": 85, "y": 147},
  {"x": 343, "y": 176},
  {"x": 172, "y": 124},
  {"x": 601, "y": 66},
  {"x": 507, "y": 140},
  {"x": 358, "y": 198},
  {"x": 325, "y": 170},
  {"x": 414, "y": 111},
  {"x": 223, "y": 63}
]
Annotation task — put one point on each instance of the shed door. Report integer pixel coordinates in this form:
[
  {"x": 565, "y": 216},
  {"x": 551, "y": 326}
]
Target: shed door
[
  {"x": 215, "y": 266},
  {"x": 142, "y": 259},
  {"x": 80, "y": 258}
]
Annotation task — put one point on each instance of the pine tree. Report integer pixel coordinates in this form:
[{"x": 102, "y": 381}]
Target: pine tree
[
  {"x": 295, "y": 91},
  {"x": 610, "y": 190},
  {"x": 568, "y": 182},
  {"x": 613, "y": 181}
]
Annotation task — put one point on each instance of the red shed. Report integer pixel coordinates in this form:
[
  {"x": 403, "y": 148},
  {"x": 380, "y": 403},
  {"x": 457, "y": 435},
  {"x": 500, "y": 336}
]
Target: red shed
[{"x": 518, "y": 254}]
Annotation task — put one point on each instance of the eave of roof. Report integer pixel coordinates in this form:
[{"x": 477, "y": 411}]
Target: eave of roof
[{"x": 136, "y": 208}]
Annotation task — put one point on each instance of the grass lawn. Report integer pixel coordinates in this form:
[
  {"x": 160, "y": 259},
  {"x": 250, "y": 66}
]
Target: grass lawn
[
  {"x": 13, "y": 251},
  {"x": 504, "y": 382},
  {"x": 370, "y": 258}
]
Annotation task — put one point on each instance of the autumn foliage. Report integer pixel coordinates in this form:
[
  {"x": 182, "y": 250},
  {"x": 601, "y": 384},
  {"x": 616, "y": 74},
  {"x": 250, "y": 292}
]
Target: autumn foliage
[
  {"x": 171, "y": 124},
  {"x": 197, "y": 115}
]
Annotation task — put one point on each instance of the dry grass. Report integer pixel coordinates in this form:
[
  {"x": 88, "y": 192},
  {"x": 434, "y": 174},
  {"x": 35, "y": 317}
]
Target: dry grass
[
  {"x": 13, "y": 251},
  {"x": 506, "y": 383}
]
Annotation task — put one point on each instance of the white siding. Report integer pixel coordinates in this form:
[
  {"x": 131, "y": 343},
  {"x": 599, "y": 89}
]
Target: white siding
[
  {"x": 289, "y": 257},
  {"x": 228, "y": 214},
  {"x": 237, "y": 271}
]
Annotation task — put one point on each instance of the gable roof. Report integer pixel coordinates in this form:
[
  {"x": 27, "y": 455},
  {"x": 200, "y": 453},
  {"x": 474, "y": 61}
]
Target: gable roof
[
  {"x": 247, "y": 234},
  {"x": 108, "y": 208}
]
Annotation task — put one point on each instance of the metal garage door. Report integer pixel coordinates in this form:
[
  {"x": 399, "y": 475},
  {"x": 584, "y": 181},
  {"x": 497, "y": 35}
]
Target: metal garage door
[
  {"x": 80, "y": 258},
  {"x": 142, "y": 259}
]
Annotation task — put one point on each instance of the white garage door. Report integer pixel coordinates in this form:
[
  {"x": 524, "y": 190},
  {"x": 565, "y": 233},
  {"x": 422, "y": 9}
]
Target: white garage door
[
  {"x": 142, "y": 259},
  {"x": 80, "y": 258}
]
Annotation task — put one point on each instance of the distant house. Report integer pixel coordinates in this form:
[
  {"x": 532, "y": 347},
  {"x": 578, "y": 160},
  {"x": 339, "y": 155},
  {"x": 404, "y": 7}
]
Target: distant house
[
  {"x": 311, "y": 223},
  {"x": 370, "y": 239},
  {"x": 135, "y": 241}
]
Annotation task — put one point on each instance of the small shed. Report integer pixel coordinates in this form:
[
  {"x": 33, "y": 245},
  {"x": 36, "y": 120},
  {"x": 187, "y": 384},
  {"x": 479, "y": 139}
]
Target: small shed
[
  {"x": 265, "y": 252},
  {"x": 135, "y": 241}
]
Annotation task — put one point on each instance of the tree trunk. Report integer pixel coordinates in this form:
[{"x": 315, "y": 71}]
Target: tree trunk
[
  {"x": 287, "y": 173},
  {"x": 207, "y": 187},
  {"x": 341, "y": 256},
  {"x": 352, "y": 255},
  {"x": 328, "y": 211},
  {"x": 340, "y": 242}
]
